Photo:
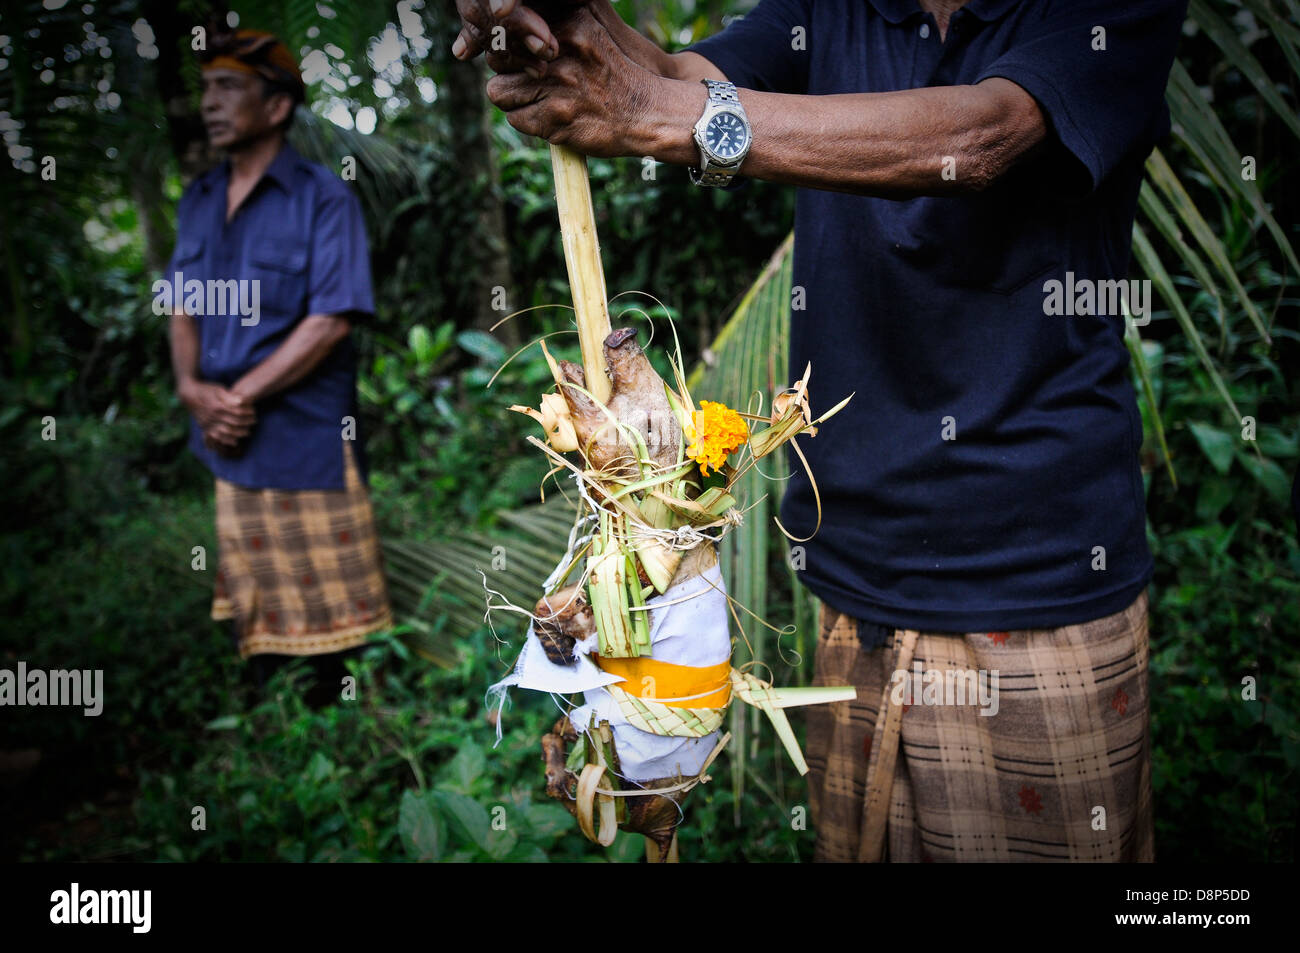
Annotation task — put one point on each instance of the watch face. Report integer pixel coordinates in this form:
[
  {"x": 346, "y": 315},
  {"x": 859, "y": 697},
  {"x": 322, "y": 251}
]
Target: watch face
[{"x": 726, "y": 136}]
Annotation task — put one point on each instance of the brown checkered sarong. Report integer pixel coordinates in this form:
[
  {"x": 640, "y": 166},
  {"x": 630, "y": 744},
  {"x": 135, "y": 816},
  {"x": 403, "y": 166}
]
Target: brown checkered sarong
[
  {"x": 300, "y": 570},
  {"x": 1061, "y": 772}
]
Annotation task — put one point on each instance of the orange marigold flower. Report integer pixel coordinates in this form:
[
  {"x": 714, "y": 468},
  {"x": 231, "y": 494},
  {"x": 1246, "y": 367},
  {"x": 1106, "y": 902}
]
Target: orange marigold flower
[{"x": 716, "y": 430}]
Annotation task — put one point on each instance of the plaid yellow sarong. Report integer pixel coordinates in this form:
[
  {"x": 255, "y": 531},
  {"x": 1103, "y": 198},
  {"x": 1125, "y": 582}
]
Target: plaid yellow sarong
[
  {"x": 1062, "y": 771},
  {"x": 300, "y": 571}
]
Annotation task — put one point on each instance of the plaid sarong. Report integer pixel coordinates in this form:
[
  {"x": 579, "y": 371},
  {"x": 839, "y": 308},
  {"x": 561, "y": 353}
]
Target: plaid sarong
[
  {"x": 1061, "y": 772},
  {"x": 300, "y": 570}
]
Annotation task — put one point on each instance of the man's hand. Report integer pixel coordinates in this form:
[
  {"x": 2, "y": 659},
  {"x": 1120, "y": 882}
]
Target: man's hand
[
  {"x": 224, "y": 417},
  {"x": 527, "y": 31},
  {"x": 591, "y": 98},
  {"x": 531, "y": 38}
]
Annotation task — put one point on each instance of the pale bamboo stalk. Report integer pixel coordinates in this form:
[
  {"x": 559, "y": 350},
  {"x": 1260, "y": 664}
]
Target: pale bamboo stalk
[{"x": 582, "y": 257}]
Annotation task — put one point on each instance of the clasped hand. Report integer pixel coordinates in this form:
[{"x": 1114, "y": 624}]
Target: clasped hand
[
  {"x": 560, "y": 74},
  {"x": 224, "y": 416}
]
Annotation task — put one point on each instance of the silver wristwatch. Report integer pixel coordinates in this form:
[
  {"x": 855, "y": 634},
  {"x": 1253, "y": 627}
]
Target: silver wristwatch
[{"x": 723, "y": 135}]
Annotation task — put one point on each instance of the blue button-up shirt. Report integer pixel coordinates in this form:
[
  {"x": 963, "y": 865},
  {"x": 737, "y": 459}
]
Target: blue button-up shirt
[{"x": 296, "y": 247}]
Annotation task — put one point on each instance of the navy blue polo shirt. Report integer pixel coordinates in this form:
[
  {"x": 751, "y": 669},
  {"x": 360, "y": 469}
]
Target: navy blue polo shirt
[
  {"x": 985, "y": 477},
  {"x": 301, "y": 237}
]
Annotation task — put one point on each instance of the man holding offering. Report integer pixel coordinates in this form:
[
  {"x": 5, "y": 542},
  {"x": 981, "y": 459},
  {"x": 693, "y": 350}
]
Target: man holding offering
[{"x": 982, "y": 501}]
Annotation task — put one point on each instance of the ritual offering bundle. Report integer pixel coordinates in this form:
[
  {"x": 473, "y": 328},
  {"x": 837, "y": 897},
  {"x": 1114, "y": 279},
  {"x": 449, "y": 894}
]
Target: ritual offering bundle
[{"x": 642, "y": 629}]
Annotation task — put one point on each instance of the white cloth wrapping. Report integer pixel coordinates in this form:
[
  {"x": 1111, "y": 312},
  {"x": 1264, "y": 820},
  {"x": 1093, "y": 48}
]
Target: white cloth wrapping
[{"x": 688, "y": 626}]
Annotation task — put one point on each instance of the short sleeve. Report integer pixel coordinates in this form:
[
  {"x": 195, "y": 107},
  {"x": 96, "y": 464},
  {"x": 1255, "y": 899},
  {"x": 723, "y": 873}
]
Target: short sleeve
[
  {"x": 339, "y": 277},
  {"x": 764, "y": 50},
  {"x": 1098, "y": 70}
]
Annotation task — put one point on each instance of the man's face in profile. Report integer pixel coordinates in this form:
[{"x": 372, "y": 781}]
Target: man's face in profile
[{"x": 236, "y": 110}]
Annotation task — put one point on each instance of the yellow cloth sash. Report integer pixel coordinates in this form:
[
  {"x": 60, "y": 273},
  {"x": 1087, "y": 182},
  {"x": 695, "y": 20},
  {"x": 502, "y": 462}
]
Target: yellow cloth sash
[{"x": 678, "y": 686}]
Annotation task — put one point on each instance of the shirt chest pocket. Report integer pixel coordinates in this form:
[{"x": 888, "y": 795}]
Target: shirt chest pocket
[
  {"x": 188, "y": 253},
  {"x": 186, "y": 266},
  {"x": 995, "y": 240},
  {"x": 279, "y": 266}
]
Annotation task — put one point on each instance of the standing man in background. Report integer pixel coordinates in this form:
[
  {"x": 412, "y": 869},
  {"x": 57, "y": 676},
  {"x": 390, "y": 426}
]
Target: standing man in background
[{"x": 271, "y": 383}]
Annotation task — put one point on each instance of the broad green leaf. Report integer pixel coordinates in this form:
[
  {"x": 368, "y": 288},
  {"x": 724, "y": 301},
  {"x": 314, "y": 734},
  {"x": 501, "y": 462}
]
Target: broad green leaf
[
  {"x": 627, "y": 848},
  {"x": 1275, "y": 444},
  {"x": 319, "y": 768},
  {"x": 421, "y": 343},
  {"x": 1219, "y": 446},
  {"x": 501, "y": 844},
  {"x": 526, "y": 854},
  {"x": 548, "y": 821},
  {"x": 482, "y": 345},
  {"x": 466, "y": 767},
  {"x": 419, "y": 827},
  {"x": 467, "y": 817},
  {"x": 1270, "y": 476},
  {"x": 1213, "y": 496}
]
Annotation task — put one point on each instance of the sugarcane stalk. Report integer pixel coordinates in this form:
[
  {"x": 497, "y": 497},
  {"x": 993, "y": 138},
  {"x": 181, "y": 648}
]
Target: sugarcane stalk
[
  {"x": 608, "y": 592},
  {"x": 637, "y": 613},
  {"x": 582, "y": 257}
]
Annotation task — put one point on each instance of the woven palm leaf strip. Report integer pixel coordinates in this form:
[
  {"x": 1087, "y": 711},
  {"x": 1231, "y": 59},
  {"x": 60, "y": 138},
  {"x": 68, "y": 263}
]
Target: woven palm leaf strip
[{"x": 660, "y": 719}]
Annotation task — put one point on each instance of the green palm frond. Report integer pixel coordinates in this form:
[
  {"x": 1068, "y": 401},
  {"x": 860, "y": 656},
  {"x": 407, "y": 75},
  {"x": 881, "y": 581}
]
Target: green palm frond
[
  {"x": 745, "y": 366},
  {"x": 1197, "y": 129},
  {"x": 1166, "y": 206},
  {"x": 438, "y": 592},
  {"x": 386, "y": 175},
  {"x": 1163, "y": 178},
  {"x": 1229, "y": 41},
  {"x": 1285, "y": 30}
]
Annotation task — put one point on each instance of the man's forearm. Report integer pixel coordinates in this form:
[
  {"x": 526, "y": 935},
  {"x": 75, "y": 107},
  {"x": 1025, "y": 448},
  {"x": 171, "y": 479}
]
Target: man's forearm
[
  {"x": 913, "y": 142},
  {"x": 647, "y": 54},
  {"x": 302, "y": 351},
  {"x": 184, "y": 334},
  {"x": 637, "y": 47}
]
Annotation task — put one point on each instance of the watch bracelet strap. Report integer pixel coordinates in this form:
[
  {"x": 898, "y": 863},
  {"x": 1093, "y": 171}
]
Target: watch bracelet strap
[
  {"x": 720, "y": 92},
  {"x": 712, "y": 177}
]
